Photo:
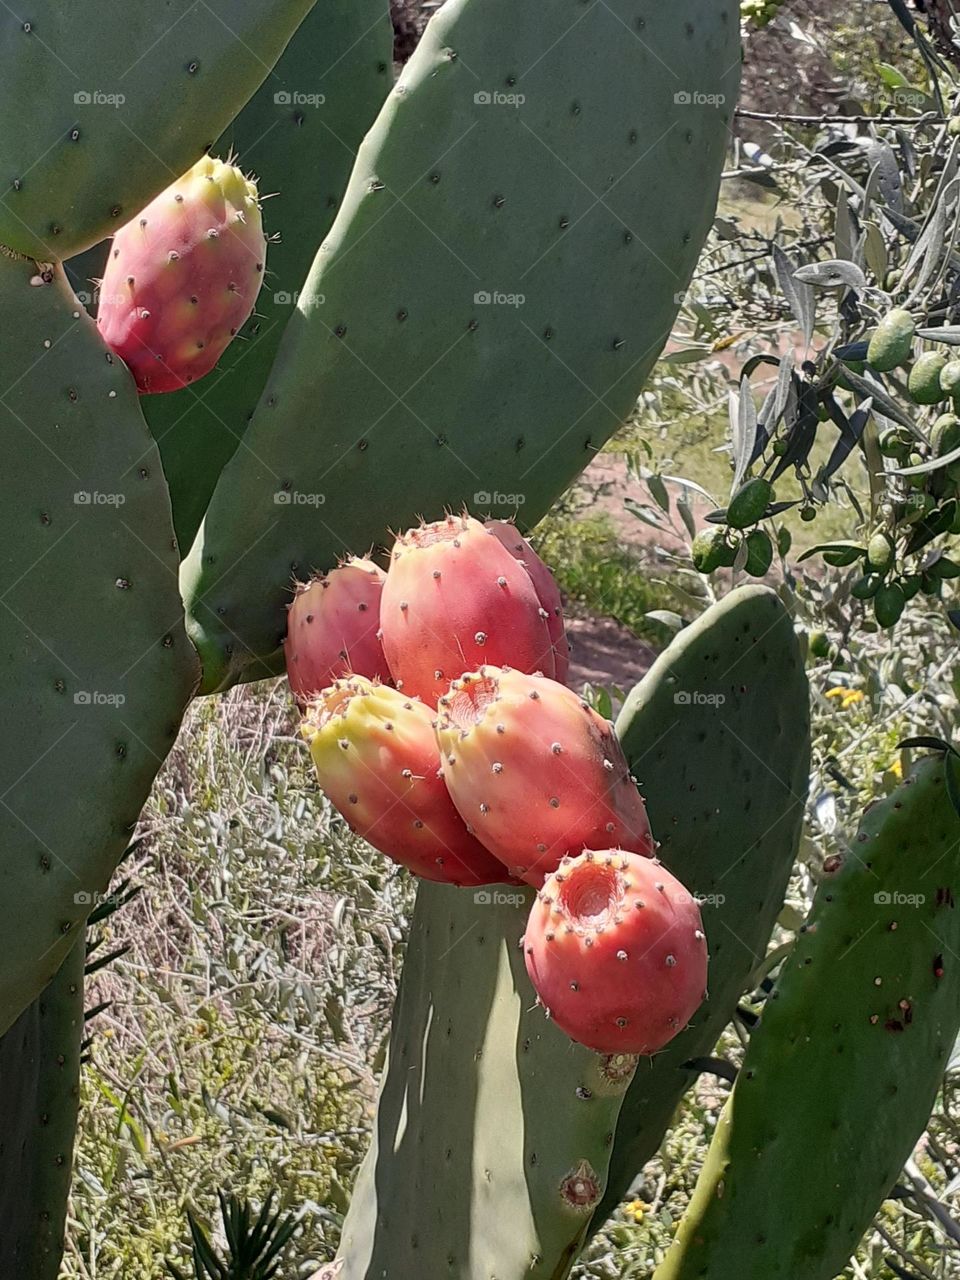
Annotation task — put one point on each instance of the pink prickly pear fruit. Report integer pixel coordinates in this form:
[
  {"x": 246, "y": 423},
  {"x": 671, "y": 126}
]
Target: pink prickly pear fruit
[
  {"x": 535, "y": 772},
  {"x": 454, "y": 598},
  {"x": 376, "y": 756},
  {"x": 544, "y": 583},
  {"x": 615, "y": 950},
  {"x": 183, "y": 276},
  {"x": 333, "y": 629}
]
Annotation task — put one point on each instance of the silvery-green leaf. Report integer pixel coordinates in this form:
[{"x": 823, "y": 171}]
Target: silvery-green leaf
[
  {"x": 744, "y": 425},
  {"x": 932, "y": 464},
  {"x": 825, "y": 811},
  {"x": 658, "y": 491},
  {"x": 947, "y": 333},
  {"x": 830, "y": 275},
  {"x": 845, "y": 236},
  {"x": 882, "y": 160},
  {"x": 667, "y": 617},
  {"x": 875, "y": 250},
  {"x": 686, "y": 515},
  {"x": 798, "y": 295}
]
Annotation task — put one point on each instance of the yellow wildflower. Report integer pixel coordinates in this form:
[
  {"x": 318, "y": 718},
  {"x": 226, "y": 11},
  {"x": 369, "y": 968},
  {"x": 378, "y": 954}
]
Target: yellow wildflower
[{"x": 634, "y": 1210}]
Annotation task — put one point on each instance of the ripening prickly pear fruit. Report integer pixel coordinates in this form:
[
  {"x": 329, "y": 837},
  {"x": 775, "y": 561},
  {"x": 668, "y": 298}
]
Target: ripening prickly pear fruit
[
  {"x": 455, "y": 598},
  {"x": 535, "y": 772},
  {"x": 333, "y": 629},
  {"x": 616, "y": 952},
  {"x": 377, "y": 760},
  {"x": 545, "y": 585},
  {"x": 183, "y": 276}
]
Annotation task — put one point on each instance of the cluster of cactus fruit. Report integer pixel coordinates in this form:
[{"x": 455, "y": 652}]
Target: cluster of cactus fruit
[
  {"x": 377, "y": 383},
  {"x": 502, "y": 773}
]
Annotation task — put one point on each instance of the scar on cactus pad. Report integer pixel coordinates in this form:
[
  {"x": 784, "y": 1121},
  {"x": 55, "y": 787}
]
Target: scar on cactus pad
[
  {"x": 183, "y": 276},
  {"x": 333, "y": 629},
  {"x": 377, "y": 760},
  {"x": 535, "y": 772},
  {"x": 616, "y": 952},
  {"x": 456, "y": 597}
]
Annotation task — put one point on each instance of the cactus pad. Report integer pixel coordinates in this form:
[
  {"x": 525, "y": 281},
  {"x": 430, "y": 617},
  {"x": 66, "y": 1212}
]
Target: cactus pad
[
  {"x": 40, "y": 1086},
  {"x": 717, "y": 733},
  {"x": 519, "y": 228},
  {"x": 95, "y": 663},
  {"x": 119, "y": 107},
  {"x": 843, "y": 1069},
  {"x": 493, "y": 1129}
]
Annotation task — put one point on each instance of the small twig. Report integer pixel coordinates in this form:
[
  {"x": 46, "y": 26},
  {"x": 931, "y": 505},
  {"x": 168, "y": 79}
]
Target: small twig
[
  {"x": 922, "y": 1191},
  {"x": 902, "y": 1253},
  {"x": 779, "y": 117}
]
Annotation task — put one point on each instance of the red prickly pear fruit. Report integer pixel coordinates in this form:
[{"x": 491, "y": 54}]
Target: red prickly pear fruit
[
  {"x": 544, "y": 583},
  {"x": 377, "y": 760},
  {"x": 455, "y": 598},
  {"x": 535, "y": 772},
  {"x": 183, "y": 276},
  {"x": 615, "y": 950},
  {"x": 333, "y": 629}
]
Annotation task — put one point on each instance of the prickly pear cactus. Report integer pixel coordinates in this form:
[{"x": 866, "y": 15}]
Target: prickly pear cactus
[
  {"x": 119, "y": 106},
  {"x": 493, "y": 1129},
  {"x": 40, "y": 1086},
  {"x": 299, "y": 134},
  {"x": 519, "y": 228},
  {"x": 481, "y": 1092},
  {"x": 842, "y": 1071},
  {"x": 95, "y": 665},
  {"x": 718, "y": 734}
]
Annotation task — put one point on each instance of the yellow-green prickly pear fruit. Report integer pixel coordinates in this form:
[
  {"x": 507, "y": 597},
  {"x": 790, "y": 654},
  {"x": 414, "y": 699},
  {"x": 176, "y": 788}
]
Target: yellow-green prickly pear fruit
[
  {"x": 892, "y": 341},
  {"x": 924, "y": 380}
]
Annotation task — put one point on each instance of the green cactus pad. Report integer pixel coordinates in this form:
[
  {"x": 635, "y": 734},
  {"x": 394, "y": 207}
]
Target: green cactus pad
[
  {"x": 516, "y": 237},
  {"x": 717, "y": 734},
  {"x": 493, "y": 1129},
  {"x": 40, "y": 1086},
  {"x": 119, "y": 107},
  {"x": 299, "y": 134},
  {"x": 842, "y": 1071},
  {"x": 96, "y": 666}
]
